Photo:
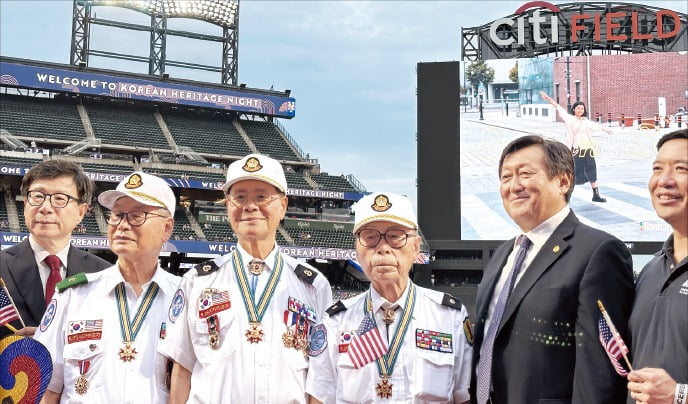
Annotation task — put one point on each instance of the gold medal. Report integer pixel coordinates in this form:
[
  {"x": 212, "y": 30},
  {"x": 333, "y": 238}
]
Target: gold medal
[
  {"x": 388, "y": 316},
  {"x": 256, "y": 267},
  {"x": 384, "y": 388},
  {"x": 127, "y": 353},
  {"x": 288, "y": 339},
  {"x": 214, "y": 340},
  {"x": 81, "y": 385},
  {"x": 254, "y": 334}
]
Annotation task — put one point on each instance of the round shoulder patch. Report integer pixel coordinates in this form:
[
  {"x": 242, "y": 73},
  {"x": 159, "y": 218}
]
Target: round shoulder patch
[
  {"x": 318, "y": 341},
  {"x": 49, "y": 315},
  {"x": 177, "y": 305}
]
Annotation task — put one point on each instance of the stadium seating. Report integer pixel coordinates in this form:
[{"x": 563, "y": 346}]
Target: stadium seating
[
  {"x": 206, "y": 135},
  {"x": 4, "y": 222},
  {"x": 28, "y": 161},
  {"x": 107, "y": 168},
  {"x": 89, "y": 226},
  {"x": 333, "y": 183},
  {"x": 120, "y": 125},
  {"x": 182, "y": 227},
  {"x": 321, "y": 238},
  {"x": 20, "y": 214},
  {"x": 296, "y": 180},
  {"x": 268, "y": 140},
  {"x": 219, "y": 232},
  {"x": 167, "y": 173},
  {"x": 39, "y": 117}
]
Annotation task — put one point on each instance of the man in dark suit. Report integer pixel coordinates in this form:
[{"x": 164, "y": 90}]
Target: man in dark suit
[
  {"x": 56, "y": 194},
  {"x": 536, "y": 333}
]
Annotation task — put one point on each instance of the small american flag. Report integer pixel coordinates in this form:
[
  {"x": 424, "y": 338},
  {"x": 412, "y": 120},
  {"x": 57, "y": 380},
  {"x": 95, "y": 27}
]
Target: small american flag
[
  {"x": 613, "y": 345},
  {"x": 7, "y": 310},
  {"x": 367, "y": 345}
]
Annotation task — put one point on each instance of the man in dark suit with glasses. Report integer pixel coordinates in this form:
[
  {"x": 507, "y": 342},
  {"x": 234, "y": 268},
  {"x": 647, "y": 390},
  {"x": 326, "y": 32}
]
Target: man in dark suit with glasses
[{"x": 56, "y": 195}]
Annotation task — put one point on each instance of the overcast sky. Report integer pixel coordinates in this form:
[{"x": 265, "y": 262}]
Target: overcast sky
[{"x": 351, "y": 66}]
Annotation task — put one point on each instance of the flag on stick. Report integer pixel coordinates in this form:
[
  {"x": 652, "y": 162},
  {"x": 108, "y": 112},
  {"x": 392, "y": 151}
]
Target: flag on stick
[
  {"x": 367, "y": 345},
  {"x": 8, "y": 311},
  {"x": 612, "y": 342}
]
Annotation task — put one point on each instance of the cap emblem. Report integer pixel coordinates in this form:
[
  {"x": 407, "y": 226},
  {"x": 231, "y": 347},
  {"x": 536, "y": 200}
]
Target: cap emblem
[
  {"x": 252, "y": 165},
  {"x": 133, "y": 182},
  {"x": 381, "y": 204}
]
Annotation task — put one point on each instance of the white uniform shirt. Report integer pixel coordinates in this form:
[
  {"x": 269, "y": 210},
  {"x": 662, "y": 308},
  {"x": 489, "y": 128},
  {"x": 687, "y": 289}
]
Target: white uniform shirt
[
  {"x": 239, "y": 371},
  {"x": 420, "y": 375},
  {"x": 110, "y": 380}
]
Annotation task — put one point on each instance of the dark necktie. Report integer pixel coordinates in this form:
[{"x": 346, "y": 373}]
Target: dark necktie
[
  {"x": 484, "y": 370},
  {"x": 55, "y": 265}
]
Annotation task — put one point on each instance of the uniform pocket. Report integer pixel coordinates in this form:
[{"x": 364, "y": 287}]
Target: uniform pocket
[
  {"x": 226, "y": 344},
  {"x": 83, "y": 359},
  {"x": 359, "y": 384},
  {"x": 433, "y": 376}
]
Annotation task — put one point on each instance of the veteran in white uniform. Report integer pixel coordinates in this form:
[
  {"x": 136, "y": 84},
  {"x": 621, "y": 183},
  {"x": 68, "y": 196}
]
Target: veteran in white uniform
[
  {"x": 242, "y": 323},
  {"x": 397, "y": 342},
  {"x": 102, "y": 329}
]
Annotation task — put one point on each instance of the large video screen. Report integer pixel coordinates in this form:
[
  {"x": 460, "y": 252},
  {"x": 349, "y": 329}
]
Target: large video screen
[{"x": 638, "y": 97}]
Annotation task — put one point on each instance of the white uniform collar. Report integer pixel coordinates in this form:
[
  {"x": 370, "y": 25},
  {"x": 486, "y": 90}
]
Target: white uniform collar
[
  {"x": 378, "y": 300},
  {"x": 246, "y": 257}
]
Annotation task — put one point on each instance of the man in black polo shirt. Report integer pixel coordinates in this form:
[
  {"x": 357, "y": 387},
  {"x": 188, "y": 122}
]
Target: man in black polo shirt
[{"x": 659, "y": 320}]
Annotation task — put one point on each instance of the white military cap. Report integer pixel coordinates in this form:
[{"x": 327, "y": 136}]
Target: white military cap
[
  {"x": 144, "y": 188},
  {"x": 384, "y": 206},
  {"x": 256, "y": 167}
]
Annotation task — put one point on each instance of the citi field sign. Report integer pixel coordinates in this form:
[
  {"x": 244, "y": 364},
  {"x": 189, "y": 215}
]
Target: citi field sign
[
  {"x": 542, "y": 28},
  {"x": 604, "y": 26}
]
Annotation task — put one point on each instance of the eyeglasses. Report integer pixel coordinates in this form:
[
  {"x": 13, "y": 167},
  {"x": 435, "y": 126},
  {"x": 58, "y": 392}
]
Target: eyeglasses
[
  {"x": 371, "y": 238},
  {"x": 259, "y": 200},
  {"x": 57, "y": 200},
  {"x": 133, "y": 218}
]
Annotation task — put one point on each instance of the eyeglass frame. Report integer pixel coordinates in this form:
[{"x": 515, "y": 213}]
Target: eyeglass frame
[
  {"x": 121, "y": 215},
  {"x": 48, "y": 196},
  {"x": 266, "y": 202},
  {"x": 384, "y": 235}
]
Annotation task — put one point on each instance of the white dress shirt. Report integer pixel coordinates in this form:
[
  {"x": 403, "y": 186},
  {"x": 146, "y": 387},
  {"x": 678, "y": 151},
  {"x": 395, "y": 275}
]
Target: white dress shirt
[{"x": 538, "y": 237}]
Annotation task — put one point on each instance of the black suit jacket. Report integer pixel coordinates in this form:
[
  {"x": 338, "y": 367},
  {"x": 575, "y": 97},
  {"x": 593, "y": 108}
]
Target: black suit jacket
[
  {"x": 19, "y": 270},
  {"x": 547, "y": 347}
]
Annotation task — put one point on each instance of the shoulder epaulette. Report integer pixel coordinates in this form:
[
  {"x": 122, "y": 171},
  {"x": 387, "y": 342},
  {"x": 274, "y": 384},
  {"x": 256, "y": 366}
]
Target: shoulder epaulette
[
  {"x": 306, "y": 274},
  {"x": 206, "y": 268},
  {"x": 78, "y": 279},
  {"x": 335, "y": 308},
  {"x": 451, "y": 301}
]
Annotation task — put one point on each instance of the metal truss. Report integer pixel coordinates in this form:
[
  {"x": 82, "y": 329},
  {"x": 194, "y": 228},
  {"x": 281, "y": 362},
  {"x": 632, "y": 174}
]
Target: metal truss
[
  {"x": 81, "y": 15},
  {"x": 225, "y": 15},
  {"x": 477, "y": 45}
]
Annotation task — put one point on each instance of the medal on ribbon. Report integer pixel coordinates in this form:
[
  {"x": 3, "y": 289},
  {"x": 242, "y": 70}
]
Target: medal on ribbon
[
  {"x": 288, "y": 337},
  {"x": 385, "y": 364},
  {"x": 213, "y": 333},
  {"x": 81, "y": 385},
  {"x": 130, "y": 328},
  {"x": 256, "y": 311}
]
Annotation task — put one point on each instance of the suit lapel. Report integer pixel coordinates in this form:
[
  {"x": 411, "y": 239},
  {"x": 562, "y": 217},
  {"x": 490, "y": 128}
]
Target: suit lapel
[
  {"x": 75, "y": 259},
  {"x": 491, "y": 275},
  {"x": 550, "y": 252},
  {"x": 24, "y": 272}
]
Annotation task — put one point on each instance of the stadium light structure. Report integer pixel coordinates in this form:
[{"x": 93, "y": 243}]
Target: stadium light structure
[{"x": 223, "y": 13}]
